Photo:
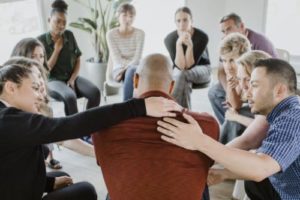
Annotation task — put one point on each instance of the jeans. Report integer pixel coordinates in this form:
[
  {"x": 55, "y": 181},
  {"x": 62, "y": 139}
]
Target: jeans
[
  {"x": 128, "y": 83},
  {"x": 216, "y": 96}
]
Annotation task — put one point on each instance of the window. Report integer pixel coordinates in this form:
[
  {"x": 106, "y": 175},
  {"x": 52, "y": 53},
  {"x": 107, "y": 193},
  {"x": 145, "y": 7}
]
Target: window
[
  {"x": 283, "y": 22},
  {"x": 156, "y": 18},
  {"x": 18, "y": 19}
]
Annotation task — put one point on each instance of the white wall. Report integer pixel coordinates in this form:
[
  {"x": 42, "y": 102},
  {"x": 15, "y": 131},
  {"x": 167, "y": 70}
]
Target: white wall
[{"x": 207, "y": 14}]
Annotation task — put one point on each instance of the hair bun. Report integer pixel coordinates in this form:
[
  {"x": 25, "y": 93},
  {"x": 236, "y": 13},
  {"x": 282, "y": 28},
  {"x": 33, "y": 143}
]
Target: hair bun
[{"x": 60, "y": 5}]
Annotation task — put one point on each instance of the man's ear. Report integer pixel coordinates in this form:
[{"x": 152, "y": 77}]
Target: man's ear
[
  {"x": 171, "y": 87},
  {"x": 281, "y": 90},
  {"x": 136, "y": 79}
]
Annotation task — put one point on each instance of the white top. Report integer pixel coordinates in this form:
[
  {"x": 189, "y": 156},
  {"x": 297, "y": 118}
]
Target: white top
[{"x": 125, "y": 51}]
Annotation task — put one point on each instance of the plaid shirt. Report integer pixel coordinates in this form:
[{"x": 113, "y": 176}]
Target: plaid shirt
[{"x": 282, "y": 144}]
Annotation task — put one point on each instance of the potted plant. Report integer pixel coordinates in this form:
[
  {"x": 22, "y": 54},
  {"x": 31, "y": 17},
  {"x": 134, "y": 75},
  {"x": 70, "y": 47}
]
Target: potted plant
[{"x": 101, "y": 19}]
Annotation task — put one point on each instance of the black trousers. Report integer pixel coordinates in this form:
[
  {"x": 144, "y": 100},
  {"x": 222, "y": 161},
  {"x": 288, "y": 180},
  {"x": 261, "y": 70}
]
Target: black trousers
[
  {"x": 77, "y": 191},
  {"x": 261, "y": 190},
  {"x": 83, "y": 88}
]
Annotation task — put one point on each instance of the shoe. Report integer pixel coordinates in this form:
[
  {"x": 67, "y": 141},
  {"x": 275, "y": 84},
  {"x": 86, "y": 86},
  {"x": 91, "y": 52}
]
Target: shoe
[{"x": 54, "y": 164}]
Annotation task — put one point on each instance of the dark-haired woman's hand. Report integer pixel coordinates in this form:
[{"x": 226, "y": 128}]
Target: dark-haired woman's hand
[
  {"x": 62, "y": 181},
  {"x": 58, "y": 45},
  {"x": 159, "y": 107}
]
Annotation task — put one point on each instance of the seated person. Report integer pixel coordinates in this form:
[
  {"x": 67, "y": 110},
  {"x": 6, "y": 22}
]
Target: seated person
[
  {"x": 23, "y": 130},
  {"x": 33, "y": 48},
  {"x": 232, "y": 47},
  {"x": 136, "y": 163},
  {"x": 232, "y": 23},
  {"x": 187, "y": 47},
  {"x": 245, "y": 66},
  {"x": 63, "y": 58},
  {"x": 125, "y": 47},
  {"x": 272, "y": 172},
  {"x": 256, "y": 129}
]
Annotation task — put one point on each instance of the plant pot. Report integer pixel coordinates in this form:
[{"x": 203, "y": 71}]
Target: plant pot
[{"x": 96, "y": 73}]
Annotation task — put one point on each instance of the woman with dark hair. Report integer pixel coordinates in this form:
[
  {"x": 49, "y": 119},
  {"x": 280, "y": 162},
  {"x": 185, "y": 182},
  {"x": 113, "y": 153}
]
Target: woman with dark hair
[
  {"x": 187, "y": 47},
  {"x": 23, "y": 130},
  {"x": 63, "y": 59},
  {"x": 33, "y": 48},
  {"x": 125, "y": 44}
]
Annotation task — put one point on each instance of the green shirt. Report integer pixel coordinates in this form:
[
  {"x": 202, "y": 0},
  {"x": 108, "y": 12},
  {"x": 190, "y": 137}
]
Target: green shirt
[{"x": 67, "y": 57}]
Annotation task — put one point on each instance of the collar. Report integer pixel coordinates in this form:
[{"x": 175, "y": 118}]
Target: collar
[
  {"x": 279, "y": 108},
  {"x": 49, "y": 40},
  {"x": 5, "y": 103},
  {"x": 155, "y": 93}
]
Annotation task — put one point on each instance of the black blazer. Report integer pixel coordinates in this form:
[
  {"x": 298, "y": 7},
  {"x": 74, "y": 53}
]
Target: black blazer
[{"x": 22, "y": 167}]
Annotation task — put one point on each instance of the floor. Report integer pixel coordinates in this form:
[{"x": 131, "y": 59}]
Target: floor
[{"x": 83, "y": 168}]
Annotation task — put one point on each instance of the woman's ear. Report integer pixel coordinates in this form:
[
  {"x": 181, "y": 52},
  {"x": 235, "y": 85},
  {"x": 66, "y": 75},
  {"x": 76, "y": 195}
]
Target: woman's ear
[{"x": 9, "y": 87}]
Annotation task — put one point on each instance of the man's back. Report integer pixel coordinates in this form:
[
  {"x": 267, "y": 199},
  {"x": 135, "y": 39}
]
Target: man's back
[{"x": 137, "y": 164}]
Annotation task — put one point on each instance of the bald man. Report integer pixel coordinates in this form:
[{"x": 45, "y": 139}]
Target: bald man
[{"x": 136, "y": 163}]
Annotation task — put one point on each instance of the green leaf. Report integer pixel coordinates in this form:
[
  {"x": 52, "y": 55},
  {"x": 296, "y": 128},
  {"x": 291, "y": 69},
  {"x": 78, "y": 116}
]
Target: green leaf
[
  {"x": 81, "y": 27},
  {"x": 90, "y": 22}
]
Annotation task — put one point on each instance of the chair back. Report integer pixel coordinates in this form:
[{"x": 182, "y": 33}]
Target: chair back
[
  {"x": 109, "y": 77},
  {"x": 283, "y": 54}
]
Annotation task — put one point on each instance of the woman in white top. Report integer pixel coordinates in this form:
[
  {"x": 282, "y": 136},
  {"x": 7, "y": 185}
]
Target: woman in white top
[{"x": 126, "y": 47}]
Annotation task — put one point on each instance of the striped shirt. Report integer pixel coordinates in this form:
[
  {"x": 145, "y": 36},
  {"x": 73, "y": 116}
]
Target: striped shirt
[
  {"x": 283, "y": 144},
  {"x": 125, "y": 51}
]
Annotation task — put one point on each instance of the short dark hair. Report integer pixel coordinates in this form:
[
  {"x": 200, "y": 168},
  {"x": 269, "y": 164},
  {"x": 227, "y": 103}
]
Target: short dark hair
[
  {"x": 185, "y": 10},
  {"x": 232, "y": 16},
  {"x": 280, "y": 71},
  {"x": 13, "y": 73},
  {"x": 126, "y": 7},
  {"x": 25, "y": 48},
  {"x": 59, "y": 6}
]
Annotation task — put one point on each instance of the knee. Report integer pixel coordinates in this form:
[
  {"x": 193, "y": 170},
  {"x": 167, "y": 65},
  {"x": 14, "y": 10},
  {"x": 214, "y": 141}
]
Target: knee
[
  {"x": 130, "y": 72},
  {"x": 87, "y": 191},
  {"x": 95, "y": 93},
  {"x": 180, "y": 75},
  {"x": 212, "y": 93},
  {"x": 70, "y": 99}
]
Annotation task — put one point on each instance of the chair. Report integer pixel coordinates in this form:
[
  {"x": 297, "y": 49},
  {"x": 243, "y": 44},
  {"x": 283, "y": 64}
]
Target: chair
[
  {"x": 109, "y": 81},
  {"x": 201, "y": 85},
  {"x": 283, "y": 54}
]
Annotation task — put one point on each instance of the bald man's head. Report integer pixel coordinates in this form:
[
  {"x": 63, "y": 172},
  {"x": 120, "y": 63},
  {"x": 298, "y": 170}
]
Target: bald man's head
[{"x": 154, "y": 73}]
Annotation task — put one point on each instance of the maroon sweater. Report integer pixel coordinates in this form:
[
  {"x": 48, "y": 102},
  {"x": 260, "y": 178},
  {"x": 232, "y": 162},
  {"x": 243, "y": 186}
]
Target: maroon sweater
[{"x": 137, "y": 164}]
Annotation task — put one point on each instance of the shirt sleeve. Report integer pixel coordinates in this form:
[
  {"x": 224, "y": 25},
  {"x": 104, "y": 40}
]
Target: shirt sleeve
[
  {"x": 282, "y": 141},
  {"x": 76, "y": 48},
  {"x": 139, "y": 48},
  {"x": 200, "y": 42},
  {"x": 34, "y": 129},
  {"x": 170, "y": 43}
]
